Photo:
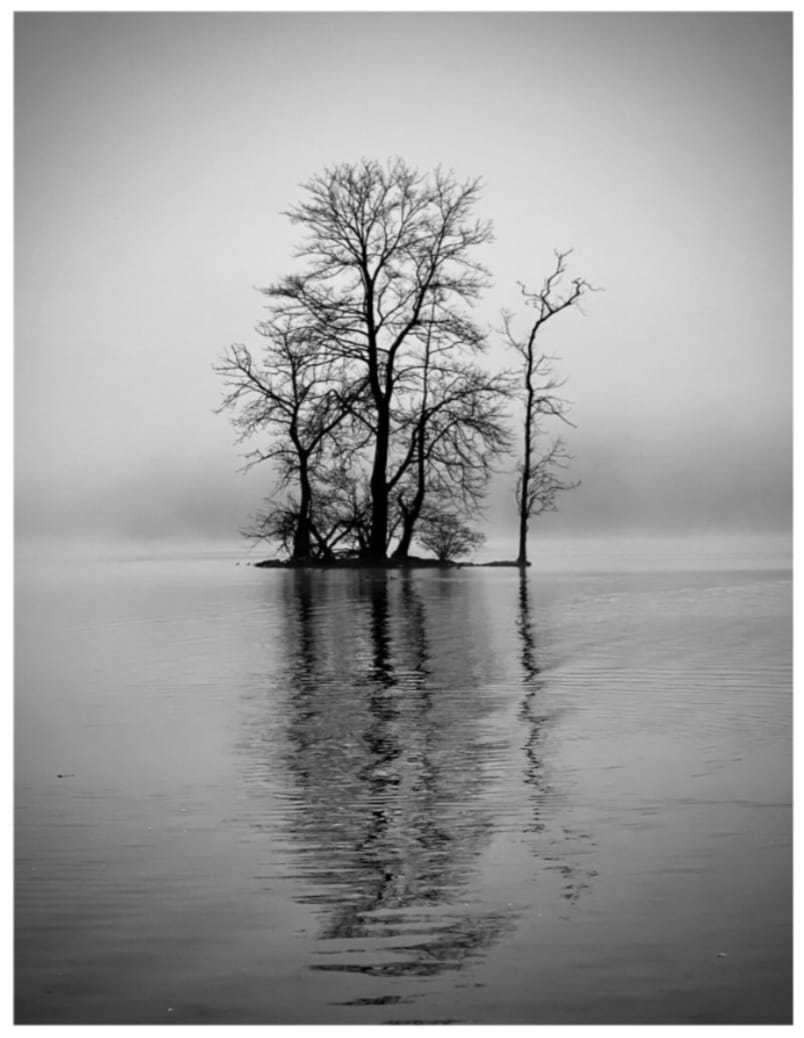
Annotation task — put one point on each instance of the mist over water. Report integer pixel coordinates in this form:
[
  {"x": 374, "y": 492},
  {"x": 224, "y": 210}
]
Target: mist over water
[
  {"x": 679, "y": 372},
  {"x": 364, "y": 797},
  {"x": 549, "y": 553},
  {"x": 465, "y": 795}
]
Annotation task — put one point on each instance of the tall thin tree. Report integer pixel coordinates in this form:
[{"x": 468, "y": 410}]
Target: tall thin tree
[{"x": 538, "y": 481}]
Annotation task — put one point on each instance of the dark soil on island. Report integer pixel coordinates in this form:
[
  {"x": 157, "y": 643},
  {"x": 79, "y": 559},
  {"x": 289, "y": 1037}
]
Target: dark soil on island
[{"x": 413, "y": 562}]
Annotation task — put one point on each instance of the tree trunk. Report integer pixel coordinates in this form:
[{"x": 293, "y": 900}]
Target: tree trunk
[
  {"x": 302, "y": 542},
  {"x": 524, "y": 504},
  {"x": 522, "y": 557},
  {"x": 379, "y": 488},
  {"x": 378, "y": 484},
  {"x": 409, "y": 517},
  {"x": 402, "y": 549}
]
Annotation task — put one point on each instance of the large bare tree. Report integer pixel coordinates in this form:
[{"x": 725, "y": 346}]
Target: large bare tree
[{"x": 389, "y": 256}]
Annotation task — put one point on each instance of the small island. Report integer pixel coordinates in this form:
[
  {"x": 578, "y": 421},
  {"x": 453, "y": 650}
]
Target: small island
[
  {"x": 411, "y": 562},
  {"x": 371, "y": 397}
]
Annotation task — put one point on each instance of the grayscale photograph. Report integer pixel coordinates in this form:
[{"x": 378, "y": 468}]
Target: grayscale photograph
[{"x": 403, "y": 538}]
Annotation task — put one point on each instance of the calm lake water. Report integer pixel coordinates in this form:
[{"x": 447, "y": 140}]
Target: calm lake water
[{"x": 255, "y": 796}]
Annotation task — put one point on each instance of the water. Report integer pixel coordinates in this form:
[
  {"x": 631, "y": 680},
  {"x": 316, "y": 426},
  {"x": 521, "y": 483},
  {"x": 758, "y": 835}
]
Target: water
[{"x": 273, "y": 797}]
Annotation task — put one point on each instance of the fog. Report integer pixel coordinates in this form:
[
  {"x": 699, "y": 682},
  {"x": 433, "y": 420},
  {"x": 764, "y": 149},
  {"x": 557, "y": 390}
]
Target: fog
[{"x": 153, "y": 157}]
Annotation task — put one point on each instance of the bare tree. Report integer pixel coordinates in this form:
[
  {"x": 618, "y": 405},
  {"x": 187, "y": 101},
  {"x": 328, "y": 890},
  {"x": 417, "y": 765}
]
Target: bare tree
[
  {"x": 538, "y": 481},
  {"x": 447, "y": 536},
  {"x": 460, "y": 433},
  {"x": 341, "y": 510},
  {"x": 278, "y": 521},
  {"x": 298, "y": 396},
  {"x": 389, "y": 255},
  {"x": 369, "y": 395}
]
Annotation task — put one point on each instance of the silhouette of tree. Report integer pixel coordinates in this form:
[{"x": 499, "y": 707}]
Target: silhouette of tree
[
  {"x": 388, "y": 278},
  {"x": 460, "y": 433},
  {"x": 298, "y": 395},
  {"x": 369, "y": 395},
  {"x": 447, "y": 536},
  {"x": 539, "y": 481}
]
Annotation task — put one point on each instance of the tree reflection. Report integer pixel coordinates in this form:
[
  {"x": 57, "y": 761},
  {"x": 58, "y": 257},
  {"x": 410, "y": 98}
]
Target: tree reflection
[
  {"x": 529, "y": 711},
  {"x": 388, "y": 817},
  {"x": 525, "y": 628},
  {"x": 536, "y": 719}
]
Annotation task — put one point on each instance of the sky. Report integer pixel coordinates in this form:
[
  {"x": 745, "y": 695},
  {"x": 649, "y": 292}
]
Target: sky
[{"x": 155, "y": 154}]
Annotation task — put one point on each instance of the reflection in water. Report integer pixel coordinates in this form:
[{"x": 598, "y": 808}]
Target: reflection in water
[
  {"x": 525, "y": 628},
  {"x": 384, "y": 728},
  {"x": 411, "y": 756},
  {"x": 388, "y": 776},
  {"x": 277, "y": 770},
  {"x": 531, "y": 713}
]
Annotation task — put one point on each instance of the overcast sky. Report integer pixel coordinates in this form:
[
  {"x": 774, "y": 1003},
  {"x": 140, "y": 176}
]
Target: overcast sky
[{"x": 154, "y": 154}]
